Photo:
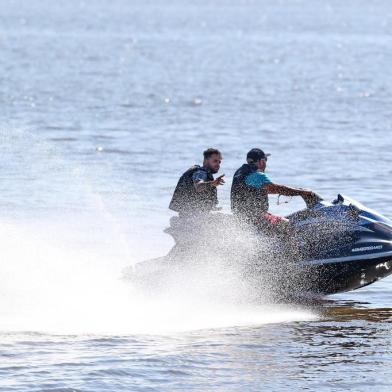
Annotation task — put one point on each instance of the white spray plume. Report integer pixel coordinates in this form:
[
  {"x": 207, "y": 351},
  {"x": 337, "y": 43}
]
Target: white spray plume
[{"x": 50, "y": 283}]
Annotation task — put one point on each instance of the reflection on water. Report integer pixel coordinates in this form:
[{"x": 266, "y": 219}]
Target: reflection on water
[
  {"x": 352, "y": 310},
  {"x": 348, "y": 348}
]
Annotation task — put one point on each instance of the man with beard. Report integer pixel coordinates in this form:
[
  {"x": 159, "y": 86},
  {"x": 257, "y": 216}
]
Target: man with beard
[{"x": 195, "y": 195}]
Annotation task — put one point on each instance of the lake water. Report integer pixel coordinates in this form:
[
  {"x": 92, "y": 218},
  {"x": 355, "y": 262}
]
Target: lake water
[{"x": 102, "y": 106}]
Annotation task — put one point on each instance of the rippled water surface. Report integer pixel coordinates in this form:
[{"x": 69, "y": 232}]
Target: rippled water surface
[{"x": 102, "y": 106}]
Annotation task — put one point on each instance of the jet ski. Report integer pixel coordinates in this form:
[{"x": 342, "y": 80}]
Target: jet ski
[
  {"x": 344, "y": 245},
  {"x": 332, "y": 247}
]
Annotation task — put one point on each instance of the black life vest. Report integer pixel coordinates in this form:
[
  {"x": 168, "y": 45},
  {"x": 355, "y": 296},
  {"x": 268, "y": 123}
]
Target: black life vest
[
  {"x": 246, "y": 201},
  {"x": 186, "y": 200}
]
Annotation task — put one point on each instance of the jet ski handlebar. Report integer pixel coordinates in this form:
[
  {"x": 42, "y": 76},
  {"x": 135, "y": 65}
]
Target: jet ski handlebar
[{"x": 312, "y": 199}]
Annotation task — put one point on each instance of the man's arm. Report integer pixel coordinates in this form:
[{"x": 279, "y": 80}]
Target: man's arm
[
  {"x": 201, "y": 185},
  {"x": 286, "y": 190}
]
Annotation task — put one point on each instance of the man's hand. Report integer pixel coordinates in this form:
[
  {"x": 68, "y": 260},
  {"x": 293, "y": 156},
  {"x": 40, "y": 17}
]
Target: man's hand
[
  {"x": 311, "y": 198},
  {"x": 310, "y": 194},
  {"x": 201, "y": 185},
  {"x": 218, "y": 181}
]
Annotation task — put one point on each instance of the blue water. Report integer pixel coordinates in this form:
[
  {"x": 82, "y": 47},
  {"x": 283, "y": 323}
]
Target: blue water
[{"x": 102, "y": 106}]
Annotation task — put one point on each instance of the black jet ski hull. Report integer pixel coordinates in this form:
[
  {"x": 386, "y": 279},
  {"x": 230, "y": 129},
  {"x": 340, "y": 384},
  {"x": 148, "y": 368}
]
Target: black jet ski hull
[
  {"x": 341, "y": 276},
  {"x": 287, "y": 281}
]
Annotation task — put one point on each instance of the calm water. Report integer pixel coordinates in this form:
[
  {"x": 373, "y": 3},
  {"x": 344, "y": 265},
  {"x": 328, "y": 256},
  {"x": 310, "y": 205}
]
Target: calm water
[{"x": 102, "y": 106}]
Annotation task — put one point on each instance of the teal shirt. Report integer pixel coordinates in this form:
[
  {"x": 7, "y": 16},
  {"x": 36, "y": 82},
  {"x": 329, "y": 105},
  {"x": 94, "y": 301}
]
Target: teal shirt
[{"x": 257, "y": 180}]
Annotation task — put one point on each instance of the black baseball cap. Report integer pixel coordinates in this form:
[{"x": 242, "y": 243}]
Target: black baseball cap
[{"x": 255, "y": 154}]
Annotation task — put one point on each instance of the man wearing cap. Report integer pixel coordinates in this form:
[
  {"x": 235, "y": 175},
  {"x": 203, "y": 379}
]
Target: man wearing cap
[{"x": 250, "y": 189}]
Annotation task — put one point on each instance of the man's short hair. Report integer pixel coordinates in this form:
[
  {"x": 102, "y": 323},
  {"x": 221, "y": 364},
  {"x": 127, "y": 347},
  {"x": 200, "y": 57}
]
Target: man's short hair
[
  {"x": 210, "y": 151},
  {"x": 255, "y": 154}
]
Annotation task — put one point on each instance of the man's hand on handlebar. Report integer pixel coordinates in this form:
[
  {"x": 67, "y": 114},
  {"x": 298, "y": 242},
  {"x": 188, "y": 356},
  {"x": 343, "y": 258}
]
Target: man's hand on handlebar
[{"x": 311, "y": 198}]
